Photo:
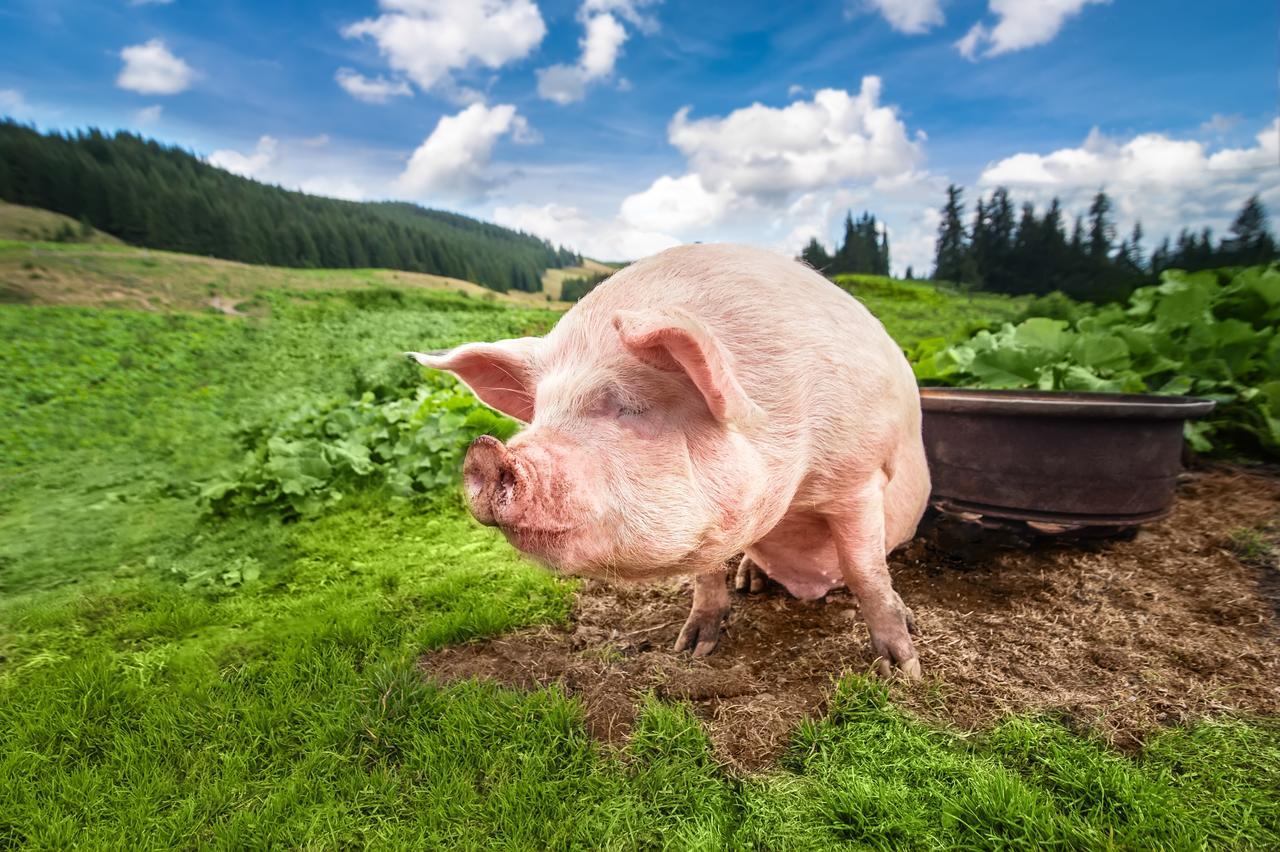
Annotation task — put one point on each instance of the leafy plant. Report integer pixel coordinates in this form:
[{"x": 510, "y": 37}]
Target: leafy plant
[
  {"x": 308, "y": 461},
  {"x": 1210, "y": 334}
]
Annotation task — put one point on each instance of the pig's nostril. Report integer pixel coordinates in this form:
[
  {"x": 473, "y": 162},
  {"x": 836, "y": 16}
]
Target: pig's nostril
[{"x": 506, "y": 481}]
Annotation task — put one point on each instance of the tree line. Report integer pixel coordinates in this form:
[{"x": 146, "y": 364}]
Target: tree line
[
  {"x": 865, "y": 249},
  {"x": 163, "y": 197},
  {"x": 1030, "y": 252}
]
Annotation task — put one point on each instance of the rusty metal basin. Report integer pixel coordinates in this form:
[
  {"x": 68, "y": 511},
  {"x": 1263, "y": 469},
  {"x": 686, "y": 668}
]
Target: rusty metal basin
[{"x": 1057, "y": 460}]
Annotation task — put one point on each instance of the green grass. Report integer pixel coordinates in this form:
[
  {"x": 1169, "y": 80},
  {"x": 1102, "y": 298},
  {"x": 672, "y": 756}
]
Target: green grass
[
  {"x": 18, "y": 222},
  {"x": 915, "y": 310},
  {"x": 169, "y": 679}
]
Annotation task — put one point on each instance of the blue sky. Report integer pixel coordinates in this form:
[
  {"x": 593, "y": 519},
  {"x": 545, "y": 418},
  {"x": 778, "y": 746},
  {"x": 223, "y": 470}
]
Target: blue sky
[{"x": 623, "y": 126}]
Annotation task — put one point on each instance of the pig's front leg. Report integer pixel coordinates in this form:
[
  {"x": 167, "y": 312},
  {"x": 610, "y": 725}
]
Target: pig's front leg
[
  {"x": 701, "y": 629},
  {"x": 858, "y": 532}
]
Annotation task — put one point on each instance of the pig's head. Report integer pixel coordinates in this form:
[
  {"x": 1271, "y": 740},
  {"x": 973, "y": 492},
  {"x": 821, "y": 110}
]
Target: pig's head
[{"x": 637, "y": 460}]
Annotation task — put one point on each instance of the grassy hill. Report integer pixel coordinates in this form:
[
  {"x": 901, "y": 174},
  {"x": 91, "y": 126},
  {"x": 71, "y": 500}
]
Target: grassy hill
[
  {"x": 163, "y": 197},
  {"x": 106, "y": 273},
  {"x": 553, "y": 278},
  {"x": 18, "y": 222}
]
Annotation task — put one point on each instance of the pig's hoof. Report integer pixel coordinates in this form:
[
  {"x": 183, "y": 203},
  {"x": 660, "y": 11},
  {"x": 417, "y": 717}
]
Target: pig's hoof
[
  {"x": 701, "y": 633},
  {"x": 899, "y": 653},
  {"x": 749, "y": 578}
]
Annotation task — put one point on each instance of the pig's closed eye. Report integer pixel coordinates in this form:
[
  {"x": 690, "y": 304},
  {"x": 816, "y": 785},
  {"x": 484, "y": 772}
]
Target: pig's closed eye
[{"x": 621, "y": 406}]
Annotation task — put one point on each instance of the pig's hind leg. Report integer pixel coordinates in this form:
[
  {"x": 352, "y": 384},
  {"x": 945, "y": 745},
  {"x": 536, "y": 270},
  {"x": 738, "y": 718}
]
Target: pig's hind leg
[
  {"x": 749, "y": 577},
  {"x": 701, "y": 631},
  {"x": 858, "y": 531}
]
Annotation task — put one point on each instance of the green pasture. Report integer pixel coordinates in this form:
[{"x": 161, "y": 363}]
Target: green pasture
[{"x": 178, "y": 669}]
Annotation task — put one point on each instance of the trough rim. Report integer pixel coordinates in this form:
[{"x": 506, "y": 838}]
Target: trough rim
[{"x": 1040, "y": 403}]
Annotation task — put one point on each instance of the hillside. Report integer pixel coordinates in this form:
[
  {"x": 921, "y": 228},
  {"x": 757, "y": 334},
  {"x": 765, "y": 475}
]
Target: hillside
[
  {"x": 31, "y": 223},
  {"x": 114, "y": 275},
  {"x": 163, "y": 197}
]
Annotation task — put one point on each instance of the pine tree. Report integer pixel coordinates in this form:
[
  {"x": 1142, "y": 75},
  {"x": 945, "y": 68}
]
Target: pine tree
[
  {"x": 1250, "y": 241},
  {"x": 951, "y": 258},
  {"x": 1102, "y": 231},
  {"x": 816, "y": 255}
]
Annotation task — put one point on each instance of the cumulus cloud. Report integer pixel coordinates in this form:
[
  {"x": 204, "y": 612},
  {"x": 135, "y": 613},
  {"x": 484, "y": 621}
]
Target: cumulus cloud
[
  {"x": 428, "y": 40},
  {"x": 601, "y": 45},
  {"x": 1021, "y": 24},
  {"x": 252, "y": 165},
  {"x": 308, "y": 164},
  {"x": 676, "y": 204},
  {"x": 604, "y": 239},
  {"x": 781, "y": 175},
  {"x": 770, "y": 153},
  {"x": 1167, "y": 182},
  {"x": 377, "y": 90},
  {"x": 151, "y": 69},
  {"x": 454, "y": 160},
  {"x": 909, "y": 16}
]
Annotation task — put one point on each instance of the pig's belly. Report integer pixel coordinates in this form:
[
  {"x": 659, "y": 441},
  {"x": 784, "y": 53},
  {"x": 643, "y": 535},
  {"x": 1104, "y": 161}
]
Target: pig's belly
[{"x": 800, "y": 554}]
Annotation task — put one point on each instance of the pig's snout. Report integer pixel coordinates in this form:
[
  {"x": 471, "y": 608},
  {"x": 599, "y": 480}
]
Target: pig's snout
[{"x": 490, "y": 476}]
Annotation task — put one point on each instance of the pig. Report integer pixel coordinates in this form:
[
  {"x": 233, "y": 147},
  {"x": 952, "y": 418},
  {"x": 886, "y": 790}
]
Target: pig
[{"x": 709, "y": 401}]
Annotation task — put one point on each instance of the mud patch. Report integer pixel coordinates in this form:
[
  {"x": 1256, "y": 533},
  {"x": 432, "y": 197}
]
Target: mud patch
[{"x": 1122, "y": 636}]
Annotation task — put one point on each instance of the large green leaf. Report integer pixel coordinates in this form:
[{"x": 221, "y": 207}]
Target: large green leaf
[
  {"x": 1101, "y": 351},
  {"x": 1049, "y": 335}
]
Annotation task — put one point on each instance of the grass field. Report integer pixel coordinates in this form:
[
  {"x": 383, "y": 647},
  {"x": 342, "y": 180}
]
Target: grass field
[
  {"x": 171, "y": 678},
  {"x": 33, "y": 224},
  {"x": 553, "y": 278}
]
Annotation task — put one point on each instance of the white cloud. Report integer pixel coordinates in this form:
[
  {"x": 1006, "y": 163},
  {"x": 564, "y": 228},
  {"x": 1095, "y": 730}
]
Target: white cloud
[
  {"x": 14, "y": 105},
  {"x": 252, "y": 165},
  {"x": 1021, "y": 24},
  {"x": 377, "y": 90},
  {"x": 771, "y": 153},
  {"x": 603, "y": 239},
  {"x": 148, "y": 116},
  {"x": 780, "y": 175},
  {"x": 427, "y": 40},
  {"x": 151, "y": 69},
  {"x": 628, "y": 10},
  {"x": 795, "y": 89},
  {"x": 601, "y": 45},
  {"x": 1168, "y": 183},
  {"x": 910, "y": 16},
  {"x": 453, "y": 161},
  {"x": 676, "y": 204},
  {"x": 308, "y": 164}
]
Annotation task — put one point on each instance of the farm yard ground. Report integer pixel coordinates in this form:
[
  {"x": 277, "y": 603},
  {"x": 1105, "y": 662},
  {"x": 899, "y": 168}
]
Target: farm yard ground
[
  {"x": 171, "y": 677},
  {"x": 1119, "y": 638}
]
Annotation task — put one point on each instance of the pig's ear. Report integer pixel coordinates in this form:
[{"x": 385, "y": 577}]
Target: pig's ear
[
  {"x": 503, "y": 374},
  {"x": 675, "y": 341}
]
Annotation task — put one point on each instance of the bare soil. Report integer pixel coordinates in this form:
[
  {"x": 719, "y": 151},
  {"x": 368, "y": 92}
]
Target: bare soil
[{"x": 1122, "y": 637}]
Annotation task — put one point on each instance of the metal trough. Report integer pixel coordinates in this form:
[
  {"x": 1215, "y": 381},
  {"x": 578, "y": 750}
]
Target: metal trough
[{"x": 1059, "y": 461}]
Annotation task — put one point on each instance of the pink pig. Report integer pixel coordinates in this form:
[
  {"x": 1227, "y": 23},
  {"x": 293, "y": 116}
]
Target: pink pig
[{"x": 708, "y": 401}]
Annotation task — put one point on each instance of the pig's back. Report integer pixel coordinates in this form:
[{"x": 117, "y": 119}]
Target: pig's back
[{"x": 803, "y": 348}]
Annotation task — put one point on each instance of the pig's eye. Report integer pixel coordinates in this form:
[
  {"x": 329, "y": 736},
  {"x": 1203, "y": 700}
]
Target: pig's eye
[{"x": 614, "y": 403}]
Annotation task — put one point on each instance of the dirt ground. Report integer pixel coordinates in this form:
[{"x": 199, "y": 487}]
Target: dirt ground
[{"x": 1179, "y": 621}]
